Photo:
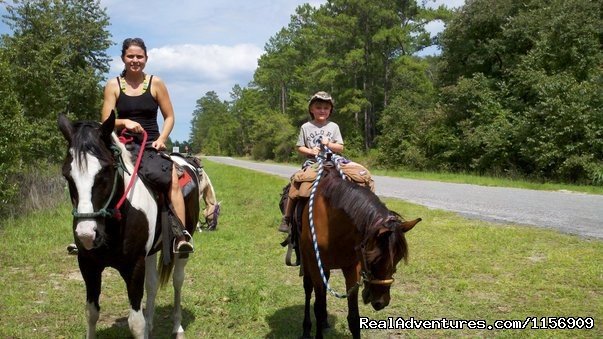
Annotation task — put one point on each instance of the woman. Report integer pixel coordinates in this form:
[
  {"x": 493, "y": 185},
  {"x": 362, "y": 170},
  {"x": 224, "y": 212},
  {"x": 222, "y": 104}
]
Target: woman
[{"x": 136, "y": 96}]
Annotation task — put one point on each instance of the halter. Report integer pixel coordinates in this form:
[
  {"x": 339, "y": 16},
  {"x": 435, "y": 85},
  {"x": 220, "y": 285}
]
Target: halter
[
  {"x": 120, "y": 166},
  {"x": 366, "y": 275}
]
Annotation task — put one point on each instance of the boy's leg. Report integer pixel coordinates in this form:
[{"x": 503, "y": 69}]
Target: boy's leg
[{"x": 285, "y": 222}]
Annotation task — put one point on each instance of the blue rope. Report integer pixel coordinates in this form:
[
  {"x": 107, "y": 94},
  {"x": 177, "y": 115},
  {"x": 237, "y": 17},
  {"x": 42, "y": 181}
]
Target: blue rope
[{"x": 337, "y": 160}]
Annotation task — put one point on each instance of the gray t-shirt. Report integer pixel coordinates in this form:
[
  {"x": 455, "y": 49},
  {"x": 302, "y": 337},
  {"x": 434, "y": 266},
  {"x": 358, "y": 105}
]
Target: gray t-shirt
[{"x": 310, "y": 133}]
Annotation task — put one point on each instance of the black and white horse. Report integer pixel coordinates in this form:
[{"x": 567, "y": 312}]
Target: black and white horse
[{"x": 114, "y": 229}]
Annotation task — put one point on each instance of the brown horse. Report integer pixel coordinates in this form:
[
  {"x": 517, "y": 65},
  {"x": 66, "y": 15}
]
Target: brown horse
[{"x": 345, "y": 226}]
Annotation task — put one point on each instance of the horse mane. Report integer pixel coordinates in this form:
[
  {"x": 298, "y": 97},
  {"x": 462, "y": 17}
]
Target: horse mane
[
  {"x": 366, "y": 211},
  {"x": 126, "y": 155},
  {"x": 361, "y": 205},
  {"x": 87, "y": 140}
]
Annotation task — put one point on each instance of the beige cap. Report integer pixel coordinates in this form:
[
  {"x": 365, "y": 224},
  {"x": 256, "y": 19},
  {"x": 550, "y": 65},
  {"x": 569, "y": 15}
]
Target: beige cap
[{"x": 322, "y": 95}]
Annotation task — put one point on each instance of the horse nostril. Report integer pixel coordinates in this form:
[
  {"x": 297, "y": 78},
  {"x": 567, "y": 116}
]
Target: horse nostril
[{"x": 378, "y": 305}]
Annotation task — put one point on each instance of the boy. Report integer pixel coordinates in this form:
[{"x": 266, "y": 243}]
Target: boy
[{"x": 312, "y": 134}]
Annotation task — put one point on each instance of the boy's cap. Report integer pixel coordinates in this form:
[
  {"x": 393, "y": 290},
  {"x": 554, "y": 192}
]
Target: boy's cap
[{"x": 324, "y": 96}]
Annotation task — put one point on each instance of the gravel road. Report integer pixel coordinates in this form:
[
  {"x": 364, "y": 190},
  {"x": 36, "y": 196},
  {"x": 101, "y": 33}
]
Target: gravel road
[{"x": 568, "y": 212}]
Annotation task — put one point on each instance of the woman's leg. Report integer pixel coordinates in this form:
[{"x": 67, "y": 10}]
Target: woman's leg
[{"x": 177, "y": 200}]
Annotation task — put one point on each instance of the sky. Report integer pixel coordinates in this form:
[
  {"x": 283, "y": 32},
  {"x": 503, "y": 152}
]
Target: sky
[{"x": 201, "y": 46}]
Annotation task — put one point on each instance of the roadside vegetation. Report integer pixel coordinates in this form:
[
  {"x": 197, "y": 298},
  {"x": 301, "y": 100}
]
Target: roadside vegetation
[
  {"x": 514, "y": 93},
  {"x": 237, "y": 285}
]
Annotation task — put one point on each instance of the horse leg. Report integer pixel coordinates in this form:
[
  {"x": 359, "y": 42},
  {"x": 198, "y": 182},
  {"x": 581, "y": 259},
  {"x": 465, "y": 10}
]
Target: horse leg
[
  {"x": 178, "y": 281},
  {"x": 307, "y": 324},
  {"x": 134, "y": 278},
  {"x": 320, "y": 306},
  {"x": 351, "y": 280},
  {"x": 151, "y": 287},
  {"x": 92, "y": 277}
]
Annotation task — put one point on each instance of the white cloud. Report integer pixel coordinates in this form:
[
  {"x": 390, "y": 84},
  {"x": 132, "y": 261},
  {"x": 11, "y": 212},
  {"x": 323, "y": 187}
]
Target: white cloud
[
  {"x": 191, "y": 62},
  {"x": 447, "y": 3}
]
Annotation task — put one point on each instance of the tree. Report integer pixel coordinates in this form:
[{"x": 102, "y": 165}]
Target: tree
[
  {"x": 57, "y": 56},
  {"x": 524, "y": 88},
  {"x": 214, "y": 128}
]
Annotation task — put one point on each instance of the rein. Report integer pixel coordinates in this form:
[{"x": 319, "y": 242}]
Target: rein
[
  {"x": 115, "y": 212},
  {"x": 366, "y": 275}
]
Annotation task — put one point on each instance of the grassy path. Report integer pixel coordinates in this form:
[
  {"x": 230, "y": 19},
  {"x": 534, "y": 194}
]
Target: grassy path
[{"x": 238, "y": 287}]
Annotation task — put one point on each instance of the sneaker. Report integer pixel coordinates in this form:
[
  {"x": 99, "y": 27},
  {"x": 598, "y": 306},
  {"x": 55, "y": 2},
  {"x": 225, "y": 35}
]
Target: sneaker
[
  {"x": 284, "y": 226},
  {"x": 184, "y": 247}
]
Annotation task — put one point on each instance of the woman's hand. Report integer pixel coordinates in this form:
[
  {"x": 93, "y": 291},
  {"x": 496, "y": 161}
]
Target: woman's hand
[
  {"x": 133, "y": 126},
  {"x": 159, "y": 144}
]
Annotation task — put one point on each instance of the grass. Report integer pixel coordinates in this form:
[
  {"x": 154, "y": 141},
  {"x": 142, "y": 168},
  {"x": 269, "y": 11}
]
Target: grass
[{"x": 237, "y": 285}]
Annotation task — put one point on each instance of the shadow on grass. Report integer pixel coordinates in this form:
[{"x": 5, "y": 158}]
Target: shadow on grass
[
  {"x": 287, "y": 323},
  {"x": 162, "y": 327}
]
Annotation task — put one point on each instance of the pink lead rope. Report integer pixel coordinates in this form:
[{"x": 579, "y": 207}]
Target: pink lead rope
[{"x": 124, "y": 140}]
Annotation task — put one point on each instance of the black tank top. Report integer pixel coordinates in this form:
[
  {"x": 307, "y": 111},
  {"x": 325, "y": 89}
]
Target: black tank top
[{"x": 140, "y": 108}]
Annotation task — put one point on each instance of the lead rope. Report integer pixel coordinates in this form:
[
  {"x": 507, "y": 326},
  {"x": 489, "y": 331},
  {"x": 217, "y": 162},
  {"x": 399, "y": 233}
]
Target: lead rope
[
  {"x": 313, "y": 231},
  {"x": 117, "y": 212}
]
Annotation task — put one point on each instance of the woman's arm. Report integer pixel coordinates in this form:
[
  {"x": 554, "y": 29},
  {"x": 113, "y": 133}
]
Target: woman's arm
[{"x": 167, "y": 110}]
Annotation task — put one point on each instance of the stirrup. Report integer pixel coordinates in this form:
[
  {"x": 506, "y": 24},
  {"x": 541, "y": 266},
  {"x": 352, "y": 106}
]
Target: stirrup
[{"x": 183, "y": 247}]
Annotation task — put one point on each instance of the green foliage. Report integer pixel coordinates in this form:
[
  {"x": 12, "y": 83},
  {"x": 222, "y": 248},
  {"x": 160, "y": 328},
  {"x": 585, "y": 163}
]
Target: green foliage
[
  {"x": 402, "y": 121},
  {"x": 57, "y": 57},
  {"x": 214, "y": 128},
  {"x": 12, "y": 135},
  {"x": 525, "y": 89},
  {"x": 271, "y": 137},
  {"x": 516, "y": 91},
  {"x": 52, "y": 63}
]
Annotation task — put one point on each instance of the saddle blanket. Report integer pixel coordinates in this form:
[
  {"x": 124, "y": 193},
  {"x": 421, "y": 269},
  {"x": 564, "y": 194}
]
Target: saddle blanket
[{"x": 301, "y": 181}]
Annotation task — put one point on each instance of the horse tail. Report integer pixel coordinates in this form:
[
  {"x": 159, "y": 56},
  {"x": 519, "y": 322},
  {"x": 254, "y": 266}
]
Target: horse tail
[{"x": 165, "y": 271}]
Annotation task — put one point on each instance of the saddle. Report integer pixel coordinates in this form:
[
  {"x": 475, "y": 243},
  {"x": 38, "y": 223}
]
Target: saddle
[
  {"x": 299, "y": 190},
  {"x": 171, "y": 226},
  {"x": 301, "y": 181}
]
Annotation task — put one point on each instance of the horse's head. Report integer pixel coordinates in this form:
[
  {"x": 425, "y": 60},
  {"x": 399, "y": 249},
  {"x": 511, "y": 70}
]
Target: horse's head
[
  {"x": 89, "y": 169},
  {"x": 383, "y": 248}
]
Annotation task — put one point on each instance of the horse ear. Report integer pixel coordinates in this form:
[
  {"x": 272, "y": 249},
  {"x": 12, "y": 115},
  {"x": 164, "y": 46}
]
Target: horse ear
[
  {"x": 108, "y": 125},
  {"x": 382, "y": 230},
  {"x": 408, "y": 225},
  {"x": 66, "y": 127}
]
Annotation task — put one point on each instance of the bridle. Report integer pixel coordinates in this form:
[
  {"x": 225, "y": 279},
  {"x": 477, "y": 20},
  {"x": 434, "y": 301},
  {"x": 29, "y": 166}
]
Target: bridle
[
  {"x": 366, "y": 276},
  {"x": 120, "y": 168}
]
